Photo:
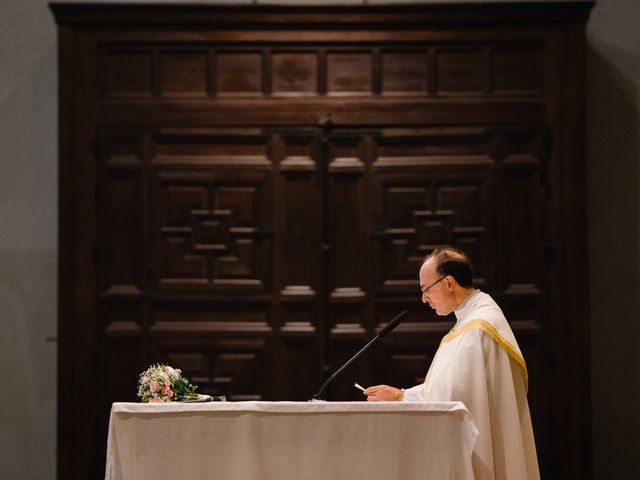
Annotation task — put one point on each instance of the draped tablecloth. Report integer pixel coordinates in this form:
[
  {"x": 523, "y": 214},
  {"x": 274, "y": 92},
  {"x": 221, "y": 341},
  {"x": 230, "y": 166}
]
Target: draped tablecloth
[{"x": 290, "y": 440}]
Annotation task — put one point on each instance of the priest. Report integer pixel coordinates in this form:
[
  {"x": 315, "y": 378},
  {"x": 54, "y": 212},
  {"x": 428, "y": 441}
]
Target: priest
[{"x": 478, "y": 363}]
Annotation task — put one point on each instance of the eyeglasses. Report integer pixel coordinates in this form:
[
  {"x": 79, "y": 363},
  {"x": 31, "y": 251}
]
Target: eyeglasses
[{"x": 426, "y": 290}]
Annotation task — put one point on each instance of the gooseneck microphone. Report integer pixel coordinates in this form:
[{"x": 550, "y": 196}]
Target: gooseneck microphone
[{"x": 387, "y": 328}]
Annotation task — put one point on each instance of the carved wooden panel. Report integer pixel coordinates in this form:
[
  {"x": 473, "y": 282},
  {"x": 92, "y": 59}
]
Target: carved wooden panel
[
  {"x": 461, "y": 72},
  {"x": 405, "y": 72},
  {"x": 123, "y": 198},
  {"x": 392, "y": 195},
  {"x": 432, "y": 190},
  {"x": 231, "y": 367},
  {"x": 169, "y": 316},
  {"x": 476, "y": 68},
  {"x": 184, "y": 74},
  {"x": 294, "y": 73},
  {"x": 300, "y": 204},
  {"x": 347, "y": 220},
  {"x": 202, "y": 239},
  {"x": 212, "y": 226},
  {"x": 524, "y": 224},
  {"x": 406, "y": 361},
  {"x": 212, "y": 209},
  {"x": 238, "y": 73},
  {"x": 297, "y": 367},
  {"x": 210, "y": 205},
  {"x": 298, "y": 309},
  {"x": 349, "y": 73},
  {"x": 128, "y": 73},
  {"x": 517, "y": 71}
]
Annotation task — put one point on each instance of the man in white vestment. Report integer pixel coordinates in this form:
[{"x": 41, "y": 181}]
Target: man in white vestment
[{"x": 478, "y": 363}]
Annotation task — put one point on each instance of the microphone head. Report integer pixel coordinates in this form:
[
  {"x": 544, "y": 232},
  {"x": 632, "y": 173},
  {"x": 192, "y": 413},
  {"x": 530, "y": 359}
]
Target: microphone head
[{"x": 393, "y": 323}]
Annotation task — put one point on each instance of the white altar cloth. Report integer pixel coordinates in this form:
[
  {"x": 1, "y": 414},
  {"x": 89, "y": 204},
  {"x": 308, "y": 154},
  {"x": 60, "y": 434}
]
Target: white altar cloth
[{"x": 290, "y": 440}]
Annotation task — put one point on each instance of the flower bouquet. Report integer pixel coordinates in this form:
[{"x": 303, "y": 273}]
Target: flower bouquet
[{"x": 162, "y": 383}]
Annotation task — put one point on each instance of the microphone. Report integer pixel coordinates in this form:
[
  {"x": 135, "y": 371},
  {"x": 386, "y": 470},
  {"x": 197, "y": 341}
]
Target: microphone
[
  {"x": 393, "y": 323},
  {"x": 388, "y": 327}
]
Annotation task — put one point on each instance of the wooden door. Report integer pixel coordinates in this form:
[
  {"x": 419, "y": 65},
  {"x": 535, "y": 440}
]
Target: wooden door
[{"x": 258, "y": 261}]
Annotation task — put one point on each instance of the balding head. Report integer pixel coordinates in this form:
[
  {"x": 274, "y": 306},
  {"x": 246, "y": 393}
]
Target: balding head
[
  {"x": 445, "y": 280},
  {"x": 453, "y": 262}
]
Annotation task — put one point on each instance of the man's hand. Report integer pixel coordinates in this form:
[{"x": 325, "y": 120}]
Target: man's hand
[{"x": 383, "y": 393}]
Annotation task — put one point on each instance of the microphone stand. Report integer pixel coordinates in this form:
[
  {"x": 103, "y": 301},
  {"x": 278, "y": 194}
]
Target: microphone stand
[
  {"x": 390, "y": 326},
  {"x": 316, "y": 397}
]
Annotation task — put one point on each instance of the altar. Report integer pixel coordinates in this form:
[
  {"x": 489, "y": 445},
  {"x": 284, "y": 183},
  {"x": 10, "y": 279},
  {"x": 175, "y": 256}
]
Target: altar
[{"x": 290, "y": 440}]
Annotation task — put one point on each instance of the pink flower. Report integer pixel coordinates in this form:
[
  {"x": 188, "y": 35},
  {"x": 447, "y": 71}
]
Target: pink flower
[
  {"x": 167, "y": 393},
  {"x": 167, "y": 383},
  {"x": 153, "y": 385}
]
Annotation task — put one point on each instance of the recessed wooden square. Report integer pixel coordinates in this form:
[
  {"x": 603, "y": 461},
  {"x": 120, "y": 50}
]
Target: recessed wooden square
[
  {"x": 128, "y": 74},
  {"x": 184, "y": 74},
  {"x": 239, "y": 74},
  {"x": 404, "y": 73},
  {"x": 349, "y": 73},
  {"x": 294, "y": 74},
  {"x": 516, "y": 72},
  {"x": 182, "y": 200},
  {"x": 460, "y": 72},
  {"x": 124, "y": 229}
]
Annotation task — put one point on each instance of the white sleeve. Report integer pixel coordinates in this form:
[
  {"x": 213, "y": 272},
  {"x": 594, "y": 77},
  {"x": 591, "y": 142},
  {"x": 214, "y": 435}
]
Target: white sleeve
[{"x": 414, "y": 394}]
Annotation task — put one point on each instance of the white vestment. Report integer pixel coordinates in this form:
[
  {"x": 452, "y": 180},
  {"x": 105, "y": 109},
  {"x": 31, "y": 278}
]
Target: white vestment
[{"x": 480, "y": 364}]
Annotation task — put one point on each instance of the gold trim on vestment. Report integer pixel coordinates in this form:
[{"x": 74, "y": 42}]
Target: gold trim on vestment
[{"x": 493, "y": 333}]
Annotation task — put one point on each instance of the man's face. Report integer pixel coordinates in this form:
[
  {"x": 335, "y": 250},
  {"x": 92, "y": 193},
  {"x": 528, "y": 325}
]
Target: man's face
[{"x": 440, "y": 295}]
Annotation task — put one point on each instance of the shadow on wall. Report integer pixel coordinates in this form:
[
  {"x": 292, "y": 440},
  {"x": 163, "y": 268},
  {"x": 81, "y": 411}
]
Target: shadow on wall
[{"x": 614, "y": 236}]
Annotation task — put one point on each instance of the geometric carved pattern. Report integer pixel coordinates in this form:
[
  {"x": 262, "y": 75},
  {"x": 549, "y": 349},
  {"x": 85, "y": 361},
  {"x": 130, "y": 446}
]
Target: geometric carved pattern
[
  {"x": 211, "y": 223},
  {"x": 422, "y": 204},
  {"x": 208, "y": 235},
  {"x": 218, "y": 366},
  {"x": 464, "y": 201},
  {"x": 416, "y": 224},
  {"x": 472, "y": 70},
  {"x": 211, "y": 220}
]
